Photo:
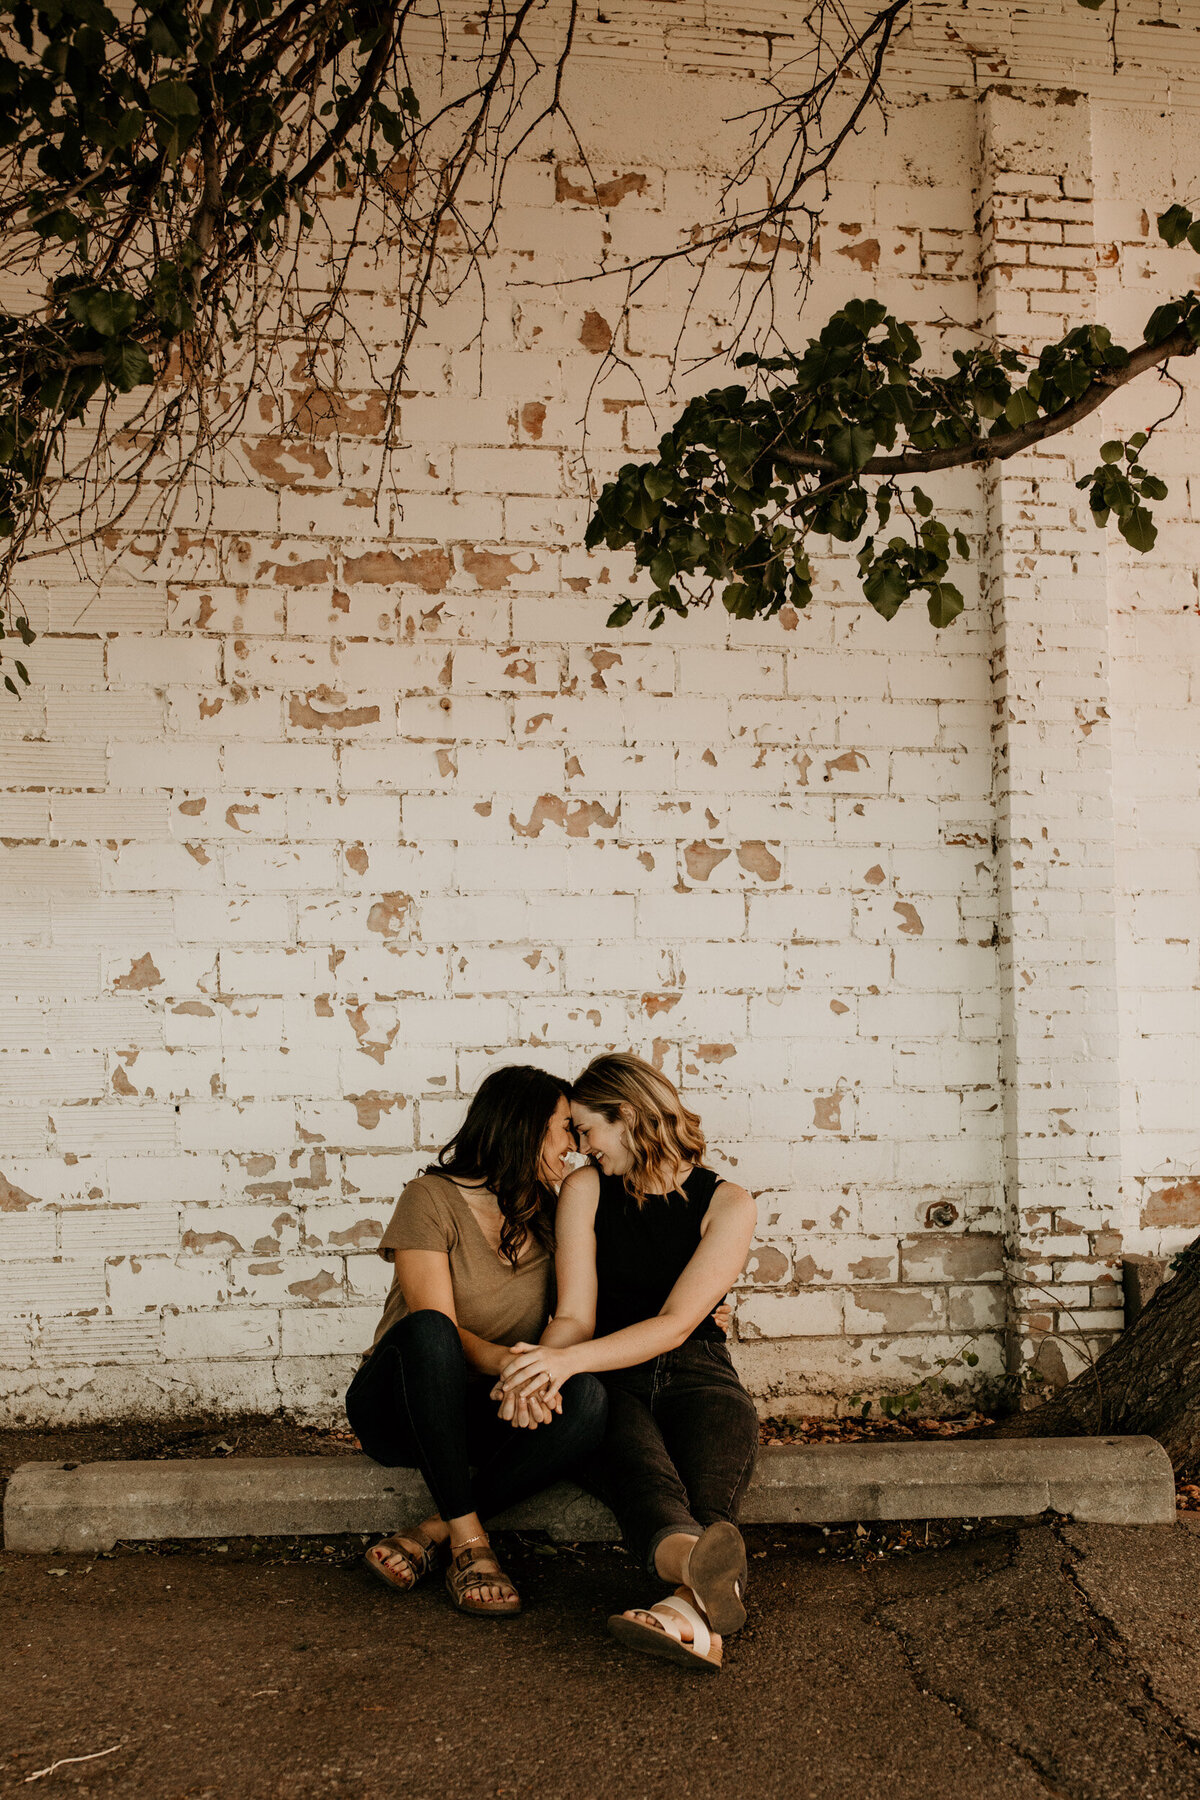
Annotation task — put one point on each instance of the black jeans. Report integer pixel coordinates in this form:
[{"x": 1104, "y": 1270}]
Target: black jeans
[
  {"x": 417, "y": 1404},
  {"x": 680, "y": 1446}
]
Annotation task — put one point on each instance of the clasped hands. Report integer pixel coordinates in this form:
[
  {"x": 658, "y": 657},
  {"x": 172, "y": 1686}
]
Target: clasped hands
[{"x": 529, "y": 1387}]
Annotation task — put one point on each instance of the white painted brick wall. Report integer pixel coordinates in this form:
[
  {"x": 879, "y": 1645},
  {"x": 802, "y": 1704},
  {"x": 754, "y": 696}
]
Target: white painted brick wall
[{"x": 308, "y": 826}]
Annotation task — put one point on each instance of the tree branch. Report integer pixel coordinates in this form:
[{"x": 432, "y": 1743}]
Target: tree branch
[{"x": 1001, "y": 445}]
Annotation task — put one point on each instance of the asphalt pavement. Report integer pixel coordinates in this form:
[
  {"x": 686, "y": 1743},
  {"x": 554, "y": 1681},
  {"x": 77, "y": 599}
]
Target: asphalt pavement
[{"x": 1047, "y": 1661}]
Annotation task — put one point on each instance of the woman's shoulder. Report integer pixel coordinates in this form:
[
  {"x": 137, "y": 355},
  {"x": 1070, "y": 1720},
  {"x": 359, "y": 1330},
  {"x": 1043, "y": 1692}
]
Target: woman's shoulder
[
  {"x": 730, "y": 1198},
  {"x": 425, "y": 1217},
  {"x": 580, "y": 1192}
]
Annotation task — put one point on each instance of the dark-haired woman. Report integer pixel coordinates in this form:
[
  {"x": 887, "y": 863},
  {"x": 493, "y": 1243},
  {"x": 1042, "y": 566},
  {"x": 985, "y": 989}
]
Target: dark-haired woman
[
  {"x": 648, "y": 1242},
  {"x": 471, "y": 1242}
]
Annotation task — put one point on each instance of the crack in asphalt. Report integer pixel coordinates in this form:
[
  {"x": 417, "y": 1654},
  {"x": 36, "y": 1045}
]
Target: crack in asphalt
[
  {"x": 1108, "y": 1637},
  {"x": 967, "y": 1718}
]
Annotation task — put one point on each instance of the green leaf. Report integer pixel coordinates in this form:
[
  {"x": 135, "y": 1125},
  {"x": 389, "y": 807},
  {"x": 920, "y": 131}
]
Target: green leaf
[
  {"x": 851, "y": 446},
  {"x": 962, "y": 546},
  {"x": 969, "y": 1356},
  {"x": 1153, "y": 488},
  {"x": 1174, "y": 224},
  {"x": 1112, "y": 451},
  {"x": 1138, "y": 528},
  {"x": 111, "y": 314},
  {"x": 173, "y": 100},
  {"x": 620, "y": 615},
  {"x": 945, "y": 604},
  {"x": 1021, "y": 409},
  {"x": 127, "y": 366},
  {"x": 887, "y": 589},
  {"x": 922, "y": 502}
]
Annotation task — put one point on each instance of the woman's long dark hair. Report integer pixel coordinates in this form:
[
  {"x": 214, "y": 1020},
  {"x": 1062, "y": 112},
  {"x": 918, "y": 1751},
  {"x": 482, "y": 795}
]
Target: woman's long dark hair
[{"x": 500, "y": 1142}]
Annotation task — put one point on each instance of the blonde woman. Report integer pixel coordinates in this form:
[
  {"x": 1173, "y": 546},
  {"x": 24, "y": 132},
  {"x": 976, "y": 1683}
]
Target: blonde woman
[{"x": 649, "y": 1240}]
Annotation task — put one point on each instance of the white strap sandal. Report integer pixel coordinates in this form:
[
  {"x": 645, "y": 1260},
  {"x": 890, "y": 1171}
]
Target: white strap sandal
[{"x": 666, "y": 1638}]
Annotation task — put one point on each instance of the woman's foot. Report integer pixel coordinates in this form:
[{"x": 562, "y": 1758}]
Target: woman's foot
[
  {"x": 477, "y": 1584},
  {"x": 674, "y": 1629},
  {"x": 407, "y": 1556}
]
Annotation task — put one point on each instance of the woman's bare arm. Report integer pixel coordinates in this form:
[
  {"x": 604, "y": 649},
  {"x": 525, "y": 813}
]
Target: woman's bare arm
[
  {"x": 575, "y": 1260},
  {"x": 424, "y": 1277},
  {"x": 713, "y": 1268}
]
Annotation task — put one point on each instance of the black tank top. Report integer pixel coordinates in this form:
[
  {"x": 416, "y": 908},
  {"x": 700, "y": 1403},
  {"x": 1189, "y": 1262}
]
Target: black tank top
[{"x": 641, "y": 1251}]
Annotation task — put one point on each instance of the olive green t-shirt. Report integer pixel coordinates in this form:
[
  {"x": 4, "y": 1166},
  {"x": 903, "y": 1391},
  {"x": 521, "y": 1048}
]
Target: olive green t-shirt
[{"x": 491, "y": 1298}]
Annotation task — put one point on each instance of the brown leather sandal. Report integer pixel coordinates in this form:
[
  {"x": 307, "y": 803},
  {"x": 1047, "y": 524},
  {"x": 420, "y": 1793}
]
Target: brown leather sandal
[
  {"x": 466, "y": 1577},
  {"x": 415, "y": 1564}
]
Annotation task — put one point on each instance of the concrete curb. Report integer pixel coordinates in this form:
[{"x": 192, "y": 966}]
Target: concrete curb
[{"x": 59, "y": 1507}]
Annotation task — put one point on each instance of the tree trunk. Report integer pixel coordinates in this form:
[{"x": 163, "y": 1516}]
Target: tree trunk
[{"x": 1145, "y": 1384}]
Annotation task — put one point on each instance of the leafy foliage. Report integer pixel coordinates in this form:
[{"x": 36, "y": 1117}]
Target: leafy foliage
[{"x": 746, "y": 480}]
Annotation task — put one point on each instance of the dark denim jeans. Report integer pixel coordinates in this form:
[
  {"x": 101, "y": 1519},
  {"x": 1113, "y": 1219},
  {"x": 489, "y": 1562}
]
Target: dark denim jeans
[
  {"x": 417, "y": 1404},
  {"x": 680, "y": 1446}
]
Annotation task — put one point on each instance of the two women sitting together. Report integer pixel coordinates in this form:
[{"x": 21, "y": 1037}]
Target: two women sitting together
[{"x": 526, "y": 1338}]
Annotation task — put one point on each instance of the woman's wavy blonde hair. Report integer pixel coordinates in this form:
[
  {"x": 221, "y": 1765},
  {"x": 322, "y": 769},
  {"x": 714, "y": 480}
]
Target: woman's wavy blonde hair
[{"x": 662, "y": 1132}]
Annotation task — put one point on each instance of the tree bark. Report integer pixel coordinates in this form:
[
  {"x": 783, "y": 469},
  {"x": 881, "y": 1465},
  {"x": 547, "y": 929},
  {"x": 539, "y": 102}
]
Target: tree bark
[{"x": 1145, "y": 1384}]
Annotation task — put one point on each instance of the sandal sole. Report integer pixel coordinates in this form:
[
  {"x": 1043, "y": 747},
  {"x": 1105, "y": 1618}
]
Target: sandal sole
[
  {"x": 717, "y": 1576},
  {"x": 380, "y": 1573},
  {"x": 507, "y": 1609},
  {"x": 652, "y": 1642}
]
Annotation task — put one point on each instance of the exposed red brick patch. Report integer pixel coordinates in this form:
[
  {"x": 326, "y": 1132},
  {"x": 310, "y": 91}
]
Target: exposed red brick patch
[
  {"x": 806, "y": 1270},
  {"x": 899, "y": 1309},
  {"x": 265, "y": 456},
  {"x": 429, "y": 570},
  {"x": 866, "y": 254},
  {"x": 827, "y": 1111},
  {"x": 838, "y": 1006},
  {"x": 587, "y": 813},
  {"x": 653, "y": 1004},
  {"x": 533, "y": 418},
  {"x": 322, "y": 414},
  {"x": 714, "y": 1053},
  {"x": 195, "y": 1008},
  {"x": 789, "y": 618},
  {"x": 235, "y": 813},
  {"x": 913, "y": 925},
  {"x": 206, "y": 611},
  {"x": 602, "y": 660},
  {"x": 371, "y": 1105},
  {"x": 357, "y": 858},
  {"x": 205, "y": 1240},
  {"x": 370, "y": 1042},
  {"x": 548, "y": 809},
  {"x": 13, "y": 1198},
  {"x": 604, "y": 194},
  {"x": 367, "y": 1231},
  {"x": 325, "y": 710},
  {"x": 142, "y": 974},
  {"x": 756, "y": 859},
  {"x": 595, "y": 333},
  {"x": 388, "y": 914},
  {"x": 700, "y": 859},
  {"x": 767, "y": 1264},
  {"x": 1177, "y": 1205},
  {"x": 192, "y": 808},
  {"x": 491, "y": 568},
  {"x": 848, "y": 763},
  {"x": 316, "y": 1287},
  {"x": 121, "y": 1082},
  {"x": 198, "y": 854},
  {"x": 871, "y": 1268},
  {"x": 305, "y": 574},
  {"x": 875, "y": 875}
]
